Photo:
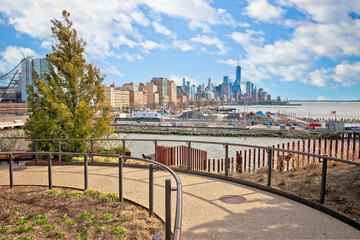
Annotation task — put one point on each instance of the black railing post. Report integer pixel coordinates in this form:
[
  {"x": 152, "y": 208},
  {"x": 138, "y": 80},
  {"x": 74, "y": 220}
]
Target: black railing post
[
  {"x": 49, "y": 171},
  {"x": 151, "y": 189},
  {"x": 167, "y": 209},
  {"x": 226, "y": 160},
  {"x": 59, "y": 150},
  {"x": 36, "y": 150},
  {"x": 92, "y": 151},
  {"x": 189, "y": 155},
  {"x": 124, "y": 147},
  {"x": 269, "y": 166},
  {"x": 323, "y": 180},
  {"x": 156, "y": 153},
  {"x": 120, "y": 180},
  {"x": 85, "y": 172},
  {"x": 11, "y": 171}
]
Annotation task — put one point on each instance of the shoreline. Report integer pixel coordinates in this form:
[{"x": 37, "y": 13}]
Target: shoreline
[{"x": 215, "y": 132}]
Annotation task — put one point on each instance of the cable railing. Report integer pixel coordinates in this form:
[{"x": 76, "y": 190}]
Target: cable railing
[
  {"x": 122, "y": 159},
  {"x": 270, "y": 154}
]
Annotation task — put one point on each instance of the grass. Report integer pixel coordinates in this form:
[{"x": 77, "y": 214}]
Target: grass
[{"x": 102, "y": 216}]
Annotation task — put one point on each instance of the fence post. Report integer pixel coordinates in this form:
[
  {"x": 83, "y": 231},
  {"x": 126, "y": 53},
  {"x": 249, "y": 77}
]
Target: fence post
[
  {"x": 92, "y": 151},
  {"x": 120, "y": 180},
  {"x": 151, "y": 189},
  {"x": 124, "y": 147},
  {"x": 59, "y": 150},
  {"x": 189, "y": 154},
  {"x": 49, "y": 171},
  {"x": 226, "y": 160},
  {"x": 11, "y": 171},
  {"x": 156, "y": 152},
  {"x": 85, "y": 172},
  {"x": 35, "y": 150},
  {"x": 167, "y": 209},
  {"x": 323, "y": 180},
  {"x": 269, "y": 166}
]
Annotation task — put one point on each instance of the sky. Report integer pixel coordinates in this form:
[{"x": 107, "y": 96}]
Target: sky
[{"x": 296, "y": 49}]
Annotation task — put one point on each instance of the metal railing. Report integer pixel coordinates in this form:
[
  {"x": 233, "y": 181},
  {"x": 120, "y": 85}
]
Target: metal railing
[
  {"x": 168, "y": 189},
  {"x": 322, "y": 158}
]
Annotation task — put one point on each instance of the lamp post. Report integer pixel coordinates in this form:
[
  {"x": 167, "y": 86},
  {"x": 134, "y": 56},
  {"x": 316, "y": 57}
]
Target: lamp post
[{"x": 309, "y": 114}]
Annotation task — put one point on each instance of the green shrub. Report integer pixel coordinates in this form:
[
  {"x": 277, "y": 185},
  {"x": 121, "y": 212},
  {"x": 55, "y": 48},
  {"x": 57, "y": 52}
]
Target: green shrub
[
  {"x": 54, "y": 192},
  {"x": 41, "y": 221},
  {"x": 60, "y": 235},
  {"x": 119, "y": 230},
  {"x": 61, "y": 218},
  {"x": 3, "y": 230},
  {"x": 48, "y": 228},
  {"x": 74, "y": 193},
  {"x": 70, "y": 223},
  {"x": 21, "y": 222},
  {"x": 86, "y": 215},
  {"x": 26, "y": 228},
  {"x": 92, "y": 192},
  {"x": 110, "y": 197},
  {"x": 106, "y": 217},
  {"x": 91, "y": 223},
  {"x": 99, "y": 229}
]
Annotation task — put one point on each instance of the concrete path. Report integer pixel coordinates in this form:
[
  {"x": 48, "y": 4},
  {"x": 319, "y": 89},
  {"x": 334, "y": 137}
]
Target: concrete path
[{"x": 261, "y": 216}]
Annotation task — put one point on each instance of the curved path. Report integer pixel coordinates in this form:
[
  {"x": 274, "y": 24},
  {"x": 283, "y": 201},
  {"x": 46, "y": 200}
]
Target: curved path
[{"x": 262, "y": 216}]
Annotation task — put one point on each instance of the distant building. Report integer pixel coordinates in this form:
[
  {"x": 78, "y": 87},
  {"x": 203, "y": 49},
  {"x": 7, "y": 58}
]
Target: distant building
[
  {"x": 118, "y": 99},
  {"x": 152, "y": 95},
  {"x": 171, "y": 91},
  {"x": 40, "y": 66}
]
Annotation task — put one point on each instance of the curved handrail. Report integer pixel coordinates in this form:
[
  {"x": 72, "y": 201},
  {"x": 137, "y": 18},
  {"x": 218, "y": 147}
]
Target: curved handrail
[
  {"x": 206, "y": 142},
  {"x": 178, "y": 211}
]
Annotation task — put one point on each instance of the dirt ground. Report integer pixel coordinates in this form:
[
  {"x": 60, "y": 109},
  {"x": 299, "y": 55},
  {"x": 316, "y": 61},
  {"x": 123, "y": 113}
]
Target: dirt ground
[
  {"x": 342, "y": 192},
  {"x": 33, "y": 213}
]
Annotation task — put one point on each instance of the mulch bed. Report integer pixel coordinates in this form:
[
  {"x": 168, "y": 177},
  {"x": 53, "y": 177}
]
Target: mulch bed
[{"x": 29, "y": 202}]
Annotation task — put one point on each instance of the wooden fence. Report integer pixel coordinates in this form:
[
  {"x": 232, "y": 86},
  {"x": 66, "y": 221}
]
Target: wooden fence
[
  {"x": 179, "y": 156},
  {"x": 345, "y": 146}
]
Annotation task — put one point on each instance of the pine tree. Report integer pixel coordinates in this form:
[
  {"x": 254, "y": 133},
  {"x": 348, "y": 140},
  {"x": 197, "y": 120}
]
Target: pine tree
[{"x": 65, "y": 103}]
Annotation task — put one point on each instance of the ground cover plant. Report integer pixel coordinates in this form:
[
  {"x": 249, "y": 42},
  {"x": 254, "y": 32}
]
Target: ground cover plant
[
  {"x": 342, "y": 185},
  {"x": 37, "y": 213}
]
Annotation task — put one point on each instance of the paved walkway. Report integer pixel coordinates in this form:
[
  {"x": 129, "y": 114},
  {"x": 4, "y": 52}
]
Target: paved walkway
[{"x": 262, "y": 216}]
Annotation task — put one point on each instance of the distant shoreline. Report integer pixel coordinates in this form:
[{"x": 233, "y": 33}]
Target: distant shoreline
[{"x": 323, "y": 101}]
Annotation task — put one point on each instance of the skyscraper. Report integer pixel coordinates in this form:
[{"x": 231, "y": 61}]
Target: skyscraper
[
  {"x": 238, "y": 78},
  {"x": 40, "y": 66}
]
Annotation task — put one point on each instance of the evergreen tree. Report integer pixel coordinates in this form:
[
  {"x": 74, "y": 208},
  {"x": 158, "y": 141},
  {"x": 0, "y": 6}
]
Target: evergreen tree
[{"x": 65, "y": 103}]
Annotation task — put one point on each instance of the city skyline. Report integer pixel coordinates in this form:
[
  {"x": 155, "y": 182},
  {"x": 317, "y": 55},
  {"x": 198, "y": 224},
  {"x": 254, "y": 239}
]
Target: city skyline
[{"x": 293, "y": 49}]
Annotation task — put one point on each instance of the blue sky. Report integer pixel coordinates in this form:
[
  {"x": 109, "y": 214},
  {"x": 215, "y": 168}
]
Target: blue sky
[{"x": 296, "y": 49}]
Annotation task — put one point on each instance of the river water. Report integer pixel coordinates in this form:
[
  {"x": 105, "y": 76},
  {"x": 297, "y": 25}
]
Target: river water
[
  {"x": 213, "y": 151},
  {"x": 344, "y": 110}
]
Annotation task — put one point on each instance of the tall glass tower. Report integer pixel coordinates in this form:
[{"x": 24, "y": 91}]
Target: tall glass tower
[{"x": 238, "y": 78}]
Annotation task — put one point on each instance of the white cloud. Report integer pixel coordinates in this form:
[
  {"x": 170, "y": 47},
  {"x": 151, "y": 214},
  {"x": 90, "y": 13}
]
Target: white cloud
[
  {"x": 130, "y": 57},
  {"x": 248, "y": 37},
  {"x": 321, "y": 98},
  {"x": 162, "y": 29},
  {"x": 211, "y": 41},
  {"x": 347, "y": 74},
  {"x": 230, "y": 62},
  {"x": 178, "y": 79},
  {"x": 113, "y": 70},
  {"x": 263, "y": 11},
  {"x": 149, "y": 45},
  {"x": 183, "y": 45},
  {"x": 319, "y": 77},
  {"x": 46, "y": 44},
  {"x": 12, "y": 55}
]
